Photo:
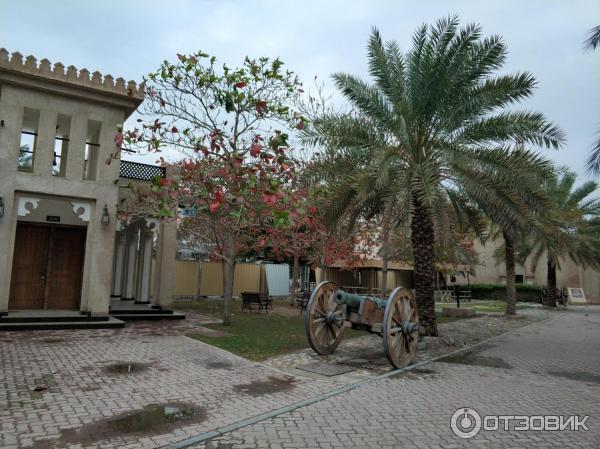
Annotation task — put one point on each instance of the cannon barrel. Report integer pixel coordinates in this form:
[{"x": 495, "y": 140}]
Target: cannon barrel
[{"x": 353, "y": 301}]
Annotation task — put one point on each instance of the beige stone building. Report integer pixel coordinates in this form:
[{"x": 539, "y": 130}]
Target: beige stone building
[
  {"x": 490, "y": 271},
  {"x": 61, "y": 246}
]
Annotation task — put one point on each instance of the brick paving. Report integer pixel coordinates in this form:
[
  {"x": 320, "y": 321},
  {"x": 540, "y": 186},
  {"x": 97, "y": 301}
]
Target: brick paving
[
  {"x": 550, "y": 368},
  {"x": 75, "y": 366},
  {"x": 366, "y": 353}
]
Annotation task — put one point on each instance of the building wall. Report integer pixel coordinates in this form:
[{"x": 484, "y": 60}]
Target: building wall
[
  {"x": 568, "y": 275},
  {"x": 50, "y": 101}
]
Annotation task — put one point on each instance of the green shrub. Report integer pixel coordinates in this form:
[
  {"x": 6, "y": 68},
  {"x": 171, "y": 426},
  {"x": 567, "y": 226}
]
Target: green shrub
[{"x": 525, "y": 292}]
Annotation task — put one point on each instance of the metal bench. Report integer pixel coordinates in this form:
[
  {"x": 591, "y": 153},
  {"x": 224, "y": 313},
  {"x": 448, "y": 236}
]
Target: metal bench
[{"x": 260, "y": 300}]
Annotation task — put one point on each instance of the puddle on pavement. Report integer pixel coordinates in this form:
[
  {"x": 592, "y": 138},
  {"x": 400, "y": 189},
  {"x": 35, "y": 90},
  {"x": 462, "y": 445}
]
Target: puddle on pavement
[
  {"x": 125, "y": 368},
  {"x": 471, "y": 358},
  {"x": 219, "y": 364},
  {"x": 219, "y": 445},
  {"x": 581, "y": 376},
  {"x": 260, "y": 387},
  {"x": 151, "y": 420},
  {"x": 53, "y": 340}
]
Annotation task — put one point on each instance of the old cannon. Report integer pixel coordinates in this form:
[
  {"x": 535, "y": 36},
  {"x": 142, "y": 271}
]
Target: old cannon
[{"x": 330, "y": 310}]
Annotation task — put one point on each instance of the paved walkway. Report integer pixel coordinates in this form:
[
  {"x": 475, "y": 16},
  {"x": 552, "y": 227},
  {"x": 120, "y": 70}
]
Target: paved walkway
[
  {"x": 546, "y": 369},
  {"x": 149, "y": 386},
  {"x": 97, "y": 385}
]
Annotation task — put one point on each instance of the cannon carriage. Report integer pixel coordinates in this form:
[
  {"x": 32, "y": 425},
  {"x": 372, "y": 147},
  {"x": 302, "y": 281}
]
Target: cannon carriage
[{"x": 331, "y": 310}]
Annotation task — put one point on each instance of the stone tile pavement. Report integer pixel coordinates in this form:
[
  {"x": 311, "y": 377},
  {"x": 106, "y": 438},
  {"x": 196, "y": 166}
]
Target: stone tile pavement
[
  {"x": 152, "y": 378},
  {"x": 367, "y": 356},
  {"x": 96, "y": 375},
  {"x": 547, "y": 369}
]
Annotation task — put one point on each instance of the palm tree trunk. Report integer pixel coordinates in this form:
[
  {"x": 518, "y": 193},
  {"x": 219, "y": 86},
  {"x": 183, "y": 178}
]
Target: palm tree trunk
[
  {"x": 228, "y": 265},
  {"x": 384, "y": 273},
  {"x": 422, "y": 236},
  {"x": 551, "y": 282},
  {"x": 509, "y": 260},
  {"x": 384, "y": 254}
]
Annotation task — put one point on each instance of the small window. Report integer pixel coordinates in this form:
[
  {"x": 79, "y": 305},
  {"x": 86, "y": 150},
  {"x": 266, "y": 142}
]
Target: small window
[
  {"x": 92, "y": 150},
  {"x": 518, "y": 278},
  {"x": 61, "y": 145},
  {"x": 29, "y": 132}
]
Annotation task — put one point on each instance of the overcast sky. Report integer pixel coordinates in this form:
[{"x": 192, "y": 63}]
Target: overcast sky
[{"x": 131, "y": 38}]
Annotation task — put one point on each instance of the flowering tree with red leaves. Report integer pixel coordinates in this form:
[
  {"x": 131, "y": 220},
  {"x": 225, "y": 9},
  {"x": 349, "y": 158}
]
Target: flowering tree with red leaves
[
  {"x": 308, "y": 236},
  {"x": 227, "y": 122}
]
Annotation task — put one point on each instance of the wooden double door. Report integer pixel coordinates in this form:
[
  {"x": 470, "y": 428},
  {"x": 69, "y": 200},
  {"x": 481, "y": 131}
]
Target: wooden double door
[{"x": 47, "y": 267}]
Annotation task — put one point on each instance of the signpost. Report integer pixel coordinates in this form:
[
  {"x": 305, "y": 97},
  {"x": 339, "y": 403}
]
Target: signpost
[{"x": 576, "y": 296}]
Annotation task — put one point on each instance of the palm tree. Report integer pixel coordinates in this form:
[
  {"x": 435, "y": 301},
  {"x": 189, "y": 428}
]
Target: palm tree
[
  {"x": 593, "y": 161},
  {"x": 568, "y": 229},
  {"x": 434, "y": 127}
]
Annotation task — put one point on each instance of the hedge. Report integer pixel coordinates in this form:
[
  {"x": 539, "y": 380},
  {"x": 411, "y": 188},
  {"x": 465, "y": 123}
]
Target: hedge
[{"x": 525, "y": 292}]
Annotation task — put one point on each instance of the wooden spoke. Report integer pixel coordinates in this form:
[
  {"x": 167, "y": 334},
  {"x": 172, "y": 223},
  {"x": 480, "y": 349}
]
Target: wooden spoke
[
  {"x": 401, "y": 306},
  {"x": 323, "y": 333}
]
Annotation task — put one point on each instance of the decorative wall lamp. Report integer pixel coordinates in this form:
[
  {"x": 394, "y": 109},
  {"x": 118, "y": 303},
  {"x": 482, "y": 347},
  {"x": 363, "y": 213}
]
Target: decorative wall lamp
[
  {"x": 105, "y": 219},
  {"x": 1, "y": 207}
]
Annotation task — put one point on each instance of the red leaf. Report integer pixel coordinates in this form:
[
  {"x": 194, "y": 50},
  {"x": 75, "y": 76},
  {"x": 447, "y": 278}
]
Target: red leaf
[
  {"x": 214, "y": 206},
  {"x": 174, "y": 130},
  {"x": 269, "y": 199},
  {"x": 164, "y": 182},
  {"x": 300, "y": 125},
  {"x": 240, "y": 85},
  {"x": 255, "y": 150},
  {"x": 261, "y": 105},
  {"x": 218, "y": 196}
]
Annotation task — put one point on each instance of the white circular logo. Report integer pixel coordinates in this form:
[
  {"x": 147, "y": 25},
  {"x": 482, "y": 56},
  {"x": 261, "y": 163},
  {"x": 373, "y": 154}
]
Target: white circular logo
[{"x": 465, "y": 423}]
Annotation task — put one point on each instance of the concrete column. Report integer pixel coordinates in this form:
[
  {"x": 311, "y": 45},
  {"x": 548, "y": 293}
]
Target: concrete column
[
  {"x": 76, "y": 153},
  {"x": 43, "y": 155},
  {"x": 118, "y": 268},
  {"x": 10, "y": 138},
  {"x": 132, "y": 241},
  {"x": 166, "y": 249},
  {"x": 143, "y": 290},
  {"x": 108, "y": 173},
  {"x": 97, "y": 273}
]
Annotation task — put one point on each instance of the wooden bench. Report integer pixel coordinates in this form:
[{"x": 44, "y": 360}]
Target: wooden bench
[{"x": 260, "y": 300}]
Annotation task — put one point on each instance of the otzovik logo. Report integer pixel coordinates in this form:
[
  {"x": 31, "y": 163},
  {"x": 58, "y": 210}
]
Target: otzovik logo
[{"x": 467, "y": 422}]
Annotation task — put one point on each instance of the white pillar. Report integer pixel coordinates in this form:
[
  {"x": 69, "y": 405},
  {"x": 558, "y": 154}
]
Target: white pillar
[
  {"x": 119, "y": 268},
  {"x": 132, "y": 242},
  {"x": 143, "y": 290}
]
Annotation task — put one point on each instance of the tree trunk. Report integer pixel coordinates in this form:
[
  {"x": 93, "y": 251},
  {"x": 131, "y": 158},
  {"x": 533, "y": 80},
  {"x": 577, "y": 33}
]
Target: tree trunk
[
  {"x": 228, "y": 277},
  {"x": 550, "y": 300},
  {"x": 199, "y": 278},
  {"x": 509, "y": 260},
  {"x": 422, "y": 236},
  {"x": 384, "y": 254},
  {"x": 384, "y": 273},
  {"x": 295, "y": 281}
]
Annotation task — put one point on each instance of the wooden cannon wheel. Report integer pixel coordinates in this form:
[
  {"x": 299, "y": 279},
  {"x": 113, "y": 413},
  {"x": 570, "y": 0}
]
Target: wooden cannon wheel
[
  {"x": 400, "y": 327},
  {"x": 324, "y": 319}
]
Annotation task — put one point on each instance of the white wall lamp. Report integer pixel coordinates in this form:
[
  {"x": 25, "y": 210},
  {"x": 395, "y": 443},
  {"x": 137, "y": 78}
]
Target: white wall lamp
[{"x": 105, "y": 219}]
